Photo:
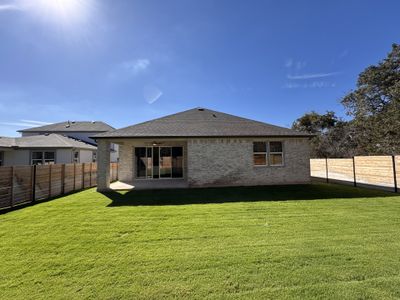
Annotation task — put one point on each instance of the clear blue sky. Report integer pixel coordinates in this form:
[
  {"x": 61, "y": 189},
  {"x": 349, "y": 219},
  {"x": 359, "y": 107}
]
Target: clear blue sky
[{"x": 125, "y": 62}]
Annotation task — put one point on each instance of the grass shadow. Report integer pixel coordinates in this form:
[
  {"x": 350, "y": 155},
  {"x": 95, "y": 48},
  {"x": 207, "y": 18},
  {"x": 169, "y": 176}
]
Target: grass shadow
[{"x": 240, "y": 194}]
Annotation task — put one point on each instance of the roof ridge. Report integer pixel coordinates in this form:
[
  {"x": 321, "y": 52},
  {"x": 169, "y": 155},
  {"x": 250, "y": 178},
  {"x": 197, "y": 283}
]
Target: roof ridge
[
  {"x": 156, "y": 119},
  {"x": 198, "y": 122}
]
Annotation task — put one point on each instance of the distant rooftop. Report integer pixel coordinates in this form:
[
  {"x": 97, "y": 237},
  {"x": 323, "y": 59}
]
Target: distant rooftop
[
  {"x": 201, "y": 122},
  {"x": 44, "y": 141},
  {"x": 72, "y": 126}
]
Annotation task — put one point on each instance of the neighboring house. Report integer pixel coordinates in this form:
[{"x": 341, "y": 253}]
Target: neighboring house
[
  {"x": 44, "y": 149},
  {"x": 79, "y": 130},
  {"x": 201, "y": 147}
]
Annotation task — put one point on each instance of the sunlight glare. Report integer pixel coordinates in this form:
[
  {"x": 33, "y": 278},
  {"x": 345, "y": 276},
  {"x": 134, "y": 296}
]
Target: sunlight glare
[{"x": 64, "y": 12}]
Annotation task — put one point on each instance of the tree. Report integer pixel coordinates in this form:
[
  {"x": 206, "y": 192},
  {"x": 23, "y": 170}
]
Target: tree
[
  {"x": 375, "y": 110},
  {"x": 330, "y": 138},
  {"x": 375, "y": 106}
]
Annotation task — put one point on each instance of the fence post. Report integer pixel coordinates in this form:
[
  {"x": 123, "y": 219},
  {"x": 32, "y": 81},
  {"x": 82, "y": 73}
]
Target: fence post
[
  {"x": 33, "y": 183},
  {"x": 62, "y": 179},
  {"x": 83, "y": 176},
  {"x": 74, "y": 174},
  {"x": 12, "y": 187},
  {"x": 326, "y": 169},
  {"x": 90, "y": 175},
  {"x": 394, "y": 173},
  {"x": 354, "y": 172},
  {"x": 49, "y": 181}
]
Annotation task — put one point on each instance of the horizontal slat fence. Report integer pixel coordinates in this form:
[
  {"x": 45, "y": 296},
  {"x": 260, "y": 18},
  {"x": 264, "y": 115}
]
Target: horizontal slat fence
[
  {"x": 378, "y": 171},
  {"x": 24, "y": 184}
]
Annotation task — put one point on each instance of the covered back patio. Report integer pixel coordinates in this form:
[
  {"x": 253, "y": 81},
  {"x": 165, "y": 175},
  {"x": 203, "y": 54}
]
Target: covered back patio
[{"x": 144, "y": 164}]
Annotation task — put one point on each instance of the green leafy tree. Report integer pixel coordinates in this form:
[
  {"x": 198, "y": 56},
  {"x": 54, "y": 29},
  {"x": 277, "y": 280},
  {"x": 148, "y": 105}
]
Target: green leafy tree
[
  {"x": 375, "y": 107},
  {"x": 375, "y": 110}
]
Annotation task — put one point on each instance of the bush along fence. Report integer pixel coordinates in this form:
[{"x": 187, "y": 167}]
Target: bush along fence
[
  {"x": 24, "y": 184},
  {"x": 373, "y": 171}
]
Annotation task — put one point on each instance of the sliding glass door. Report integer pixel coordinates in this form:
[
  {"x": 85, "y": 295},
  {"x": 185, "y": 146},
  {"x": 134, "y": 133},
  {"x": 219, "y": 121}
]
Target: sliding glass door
[{"x": 159, "y": 162}]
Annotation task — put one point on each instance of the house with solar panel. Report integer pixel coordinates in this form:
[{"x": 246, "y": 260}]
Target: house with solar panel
[{"x": 63, "y": 142}]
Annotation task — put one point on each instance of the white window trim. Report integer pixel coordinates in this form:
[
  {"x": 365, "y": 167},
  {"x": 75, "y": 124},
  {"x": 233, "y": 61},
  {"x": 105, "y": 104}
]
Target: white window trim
[
  {"x": 263, "y": 153},
  {"x": 268, "y": 153},
  {"x": 43, "y": 157}
]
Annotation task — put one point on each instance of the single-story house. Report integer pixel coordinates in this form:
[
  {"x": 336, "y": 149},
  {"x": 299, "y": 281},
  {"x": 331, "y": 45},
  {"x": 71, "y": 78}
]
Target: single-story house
[
  {"x": 202, "y": 147},
  {"x": 44, "y": 149},
  {"x": 79, "y": 130}
]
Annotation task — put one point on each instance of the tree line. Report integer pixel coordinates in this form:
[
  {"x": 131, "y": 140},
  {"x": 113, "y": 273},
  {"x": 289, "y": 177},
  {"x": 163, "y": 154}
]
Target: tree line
[{"x": 374, "y": 110}]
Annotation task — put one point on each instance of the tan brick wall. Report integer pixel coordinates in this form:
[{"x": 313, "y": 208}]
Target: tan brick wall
[
  {"x": 103, "y": 165},
  {"x": 224, "y": 162}
]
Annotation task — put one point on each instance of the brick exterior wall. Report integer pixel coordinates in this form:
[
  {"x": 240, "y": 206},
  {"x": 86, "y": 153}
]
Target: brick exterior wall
[
  {"x": 221, "y": 162},
  {"x": 103, "y": 165},
  {"x": 229, "y": 162}
]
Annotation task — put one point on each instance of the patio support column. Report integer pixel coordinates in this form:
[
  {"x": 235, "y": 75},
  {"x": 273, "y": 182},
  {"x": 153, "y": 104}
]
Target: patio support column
[{"x": 103, "y": 165}]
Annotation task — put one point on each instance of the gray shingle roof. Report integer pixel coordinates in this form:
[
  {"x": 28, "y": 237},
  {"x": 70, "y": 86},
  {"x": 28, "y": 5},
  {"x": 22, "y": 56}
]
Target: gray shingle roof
[
  {"x": 44, "y": 141},
  {"x": 69, "y": 126},
  {"x": 199, "y": 122}
]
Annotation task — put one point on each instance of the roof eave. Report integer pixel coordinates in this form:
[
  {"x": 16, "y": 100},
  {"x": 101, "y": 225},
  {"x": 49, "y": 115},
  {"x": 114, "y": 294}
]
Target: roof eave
[{"x": 204, "y": 136}]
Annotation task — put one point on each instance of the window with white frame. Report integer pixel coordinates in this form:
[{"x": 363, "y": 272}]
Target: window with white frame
[
  {"x": 260, "y": 153},
  {"x": 75, "y": 157},
  {"x": 275, "y": 153},
  {"x": 1, "y": 158},
  {"x": 43, "y": 157},
  {"x": 268, "y": 153}
]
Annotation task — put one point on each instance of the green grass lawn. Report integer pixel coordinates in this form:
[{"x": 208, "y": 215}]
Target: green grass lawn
[{"x": 306, "y": 242}]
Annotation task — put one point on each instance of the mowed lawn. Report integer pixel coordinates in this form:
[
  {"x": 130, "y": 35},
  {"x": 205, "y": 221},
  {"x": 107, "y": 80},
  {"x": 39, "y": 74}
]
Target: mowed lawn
[{"x": 306, "y": 242}]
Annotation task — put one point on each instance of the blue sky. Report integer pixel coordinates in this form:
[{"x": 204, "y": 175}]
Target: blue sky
[{"x": 124, "y": 62}]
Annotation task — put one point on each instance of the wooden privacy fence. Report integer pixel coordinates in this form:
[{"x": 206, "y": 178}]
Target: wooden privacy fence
[
  {"x": 23, "y": 184},
  {"x": 378, "y": 171}
]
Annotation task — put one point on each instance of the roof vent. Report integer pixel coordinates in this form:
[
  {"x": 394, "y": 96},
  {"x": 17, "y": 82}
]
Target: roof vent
[{"x": 200, "y": 109}]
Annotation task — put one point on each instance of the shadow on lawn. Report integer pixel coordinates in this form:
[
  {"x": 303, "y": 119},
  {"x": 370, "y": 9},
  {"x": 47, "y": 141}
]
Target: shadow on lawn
[{"x": 240, "y": 194}]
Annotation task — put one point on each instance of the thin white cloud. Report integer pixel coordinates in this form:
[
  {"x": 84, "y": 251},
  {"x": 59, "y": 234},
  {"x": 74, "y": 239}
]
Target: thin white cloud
[
  {"x": 17, "y": 124},
  {"x": 311, "y": 85},
  {"x": 35, "y": 122},
  {"x": 8, "y": 7},
  {"x": 311, "y": 76},
  {"x": 290, "y": 63}
]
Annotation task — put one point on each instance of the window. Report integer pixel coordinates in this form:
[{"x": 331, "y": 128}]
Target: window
[
  {"x": 260, "y": 153},
  {"x": 159, "y": 162},
  {"x": 1, "y": 158},
  {"x": 75, "y": 157},
  {"x": 37, "y": 158},
  {"x": 275, "y": 154},
  {"x": 43, "y": 157},
  {"x": 49, "y": 157},
  {"x": 268, "y": 153}
]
